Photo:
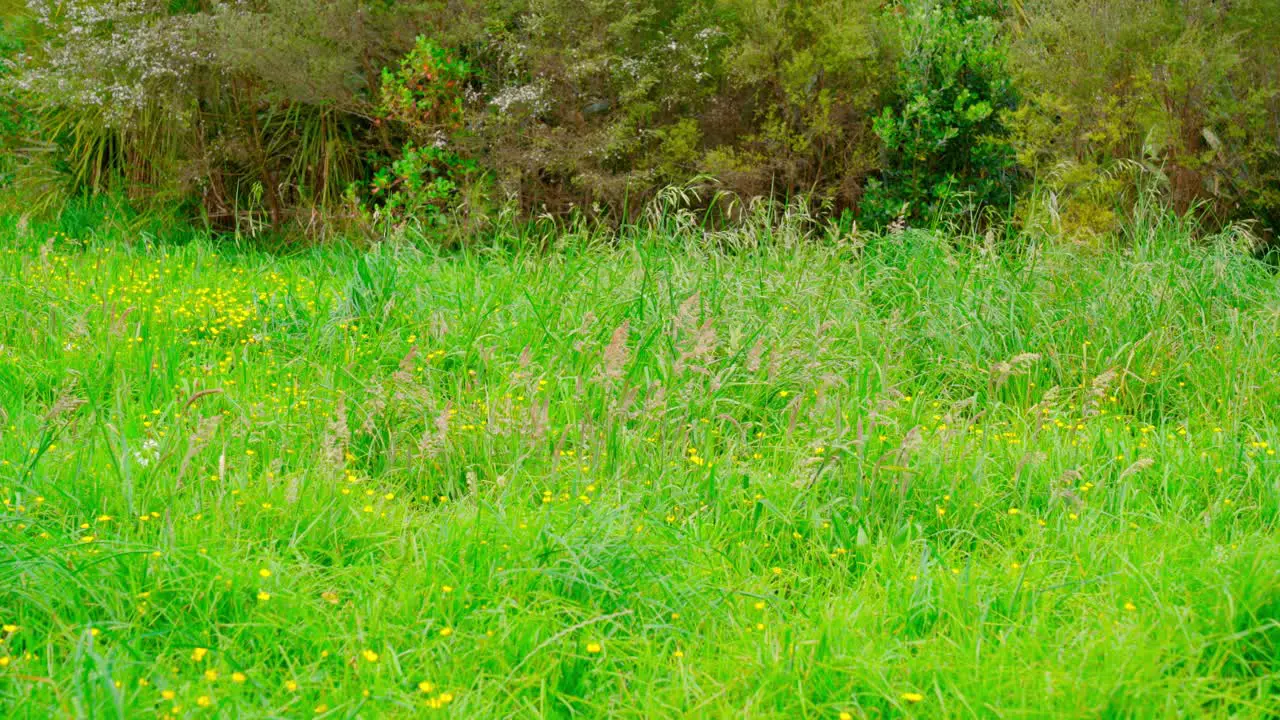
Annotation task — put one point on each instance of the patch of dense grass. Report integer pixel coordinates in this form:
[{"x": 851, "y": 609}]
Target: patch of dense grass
[{"x": 657, "y": 479}]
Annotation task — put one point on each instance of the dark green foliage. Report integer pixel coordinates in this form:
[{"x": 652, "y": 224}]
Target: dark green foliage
[
  {"x": 320, "y": 115},
  {"x": 947, "y": 151},
  {"x": 14, "y": 123},
  {"x": 602, "y": 103},
  {"x": 423, "y": 99}
]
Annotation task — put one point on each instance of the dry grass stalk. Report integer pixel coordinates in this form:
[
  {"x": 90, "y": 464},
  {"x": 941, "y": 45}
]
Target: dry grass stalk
[
  {"x": 374, "y": 408},
  {"x": 198, "y": 441},
  {"x": 404, "y": 374},
  {"x": 432, "y": 442},
  {"x": 686, "y": 318},
  {"x": 700, "y": 349},
  {"x": 615, "y": 353},
  {"x": 1098, "y": 390},
  {"x": 337, "y": 436},
  {"x": 539, "y": 419},
  {"x": 754, "y": 355},
  {"x": 1137, "y": 467},
  {"x": 65, "y": 404},
  {"x": 1019, "y": 364}
]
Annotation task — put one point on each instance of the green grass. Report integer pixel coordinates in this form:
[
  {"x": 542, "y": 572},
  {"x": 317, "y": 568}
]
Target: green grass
[{"x": 654, "y": 479}]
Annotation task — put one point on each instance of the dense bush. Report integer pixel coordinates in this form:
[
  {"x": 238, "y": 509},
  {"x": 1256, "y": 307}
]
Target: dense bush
[
  {"x": 424, "y": 99},
  {"x": 602, "y": 102},
  {"x": 1180, "y": 97},
  {"x": 255, "y": 113},
  {"x": 947, "y": 150},
  {"x": 311, "y": 114},
  {"x": 266, "y": 111}
]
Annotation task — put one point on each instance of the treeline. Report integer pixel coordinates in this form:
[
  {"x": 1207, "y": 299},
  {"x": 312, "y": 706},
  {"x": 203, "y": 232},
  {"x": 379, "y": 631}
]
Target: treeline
[{"x": 316, "y": 115}]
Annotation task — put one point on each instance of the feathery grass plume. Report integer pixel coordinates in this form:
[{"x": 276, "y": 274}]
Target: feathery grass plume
[
  {"x": 614, "y": 358},
  {"x": 628, "y": 400},
  {"x": 1019, "y": 364},
  {"x": 200, "y": 395},
  {"x": 699, "y": 348},
  {"x": 655, "y": 402},
  {"x": 373, "y": 407},
  {"x": 1028, "y": 458},
  {"x": 1063, "y": 488},
  {"x": 337, "y": 436},
  {"x": 960, "y": 416},
  {"x": 206, "y": 428},
  {"x": 292, "y": 488},
  {"x": 813, "y": 359},
  {"x": 793, "y": 416},
  {"x": 539, "y": 419},
  {"x": 754, "y": 356},
  {"x": 65, "y": 404},
  {"x": 910, "y": 443},
  {"x": 1098, "y": 390},
  {"x": 1136, "y": 467},
  {"x": 404, "y": 372},
  {"x": 704, "y": 342},
  {"x": 45, "y": 250},
  {"x": 119, "y": 322},
  {"x": 431, "y": 442},
  {"x": 1048, "y": 402},
  {"x": 686, "y": 318}
]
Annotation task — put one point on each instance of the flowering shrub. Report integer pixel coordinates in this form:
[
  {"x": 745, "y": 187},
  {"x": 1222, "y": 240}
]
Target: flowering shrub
[
  {"x": 253, "y": 114},
  {"x": 602, "y": 103}
]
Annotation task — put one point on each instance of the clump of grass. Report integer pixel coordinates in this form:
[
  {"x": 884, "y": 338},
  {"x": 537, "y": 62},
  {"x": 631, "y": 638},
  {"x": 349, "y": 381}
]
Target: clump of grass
[{"x": 774, "y": 479}]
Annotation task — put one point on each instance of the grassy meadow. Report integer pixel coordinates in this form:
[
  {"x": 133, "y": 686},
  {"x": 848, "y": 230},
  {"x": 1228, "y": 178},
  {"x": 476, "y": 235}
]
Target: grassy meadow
[{"x": 716, "y": 477}]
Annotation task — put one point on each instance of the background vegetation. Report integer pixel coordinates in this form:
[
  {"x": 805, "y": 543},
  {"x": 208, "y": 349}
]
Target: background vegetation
[
  {"x": 322, "y": 115},
  {"x": 812, "y": 359},
  {"x": 736, "y": 475}
]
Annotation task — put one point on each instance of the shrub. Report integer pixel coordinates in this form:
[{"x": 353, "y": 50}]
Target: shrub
[
  {"x": 279, "y": 114},
  {"x": 600, "y": 103},
  {"x": 258, "y": 113},
  {"x": 810, "y": 77},
  {"x": 425, "y": 93},
  {"x": 947, "y": 150},
  {"x": 1181, "y": 97},
  {"x": 423, "y": 98}
]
